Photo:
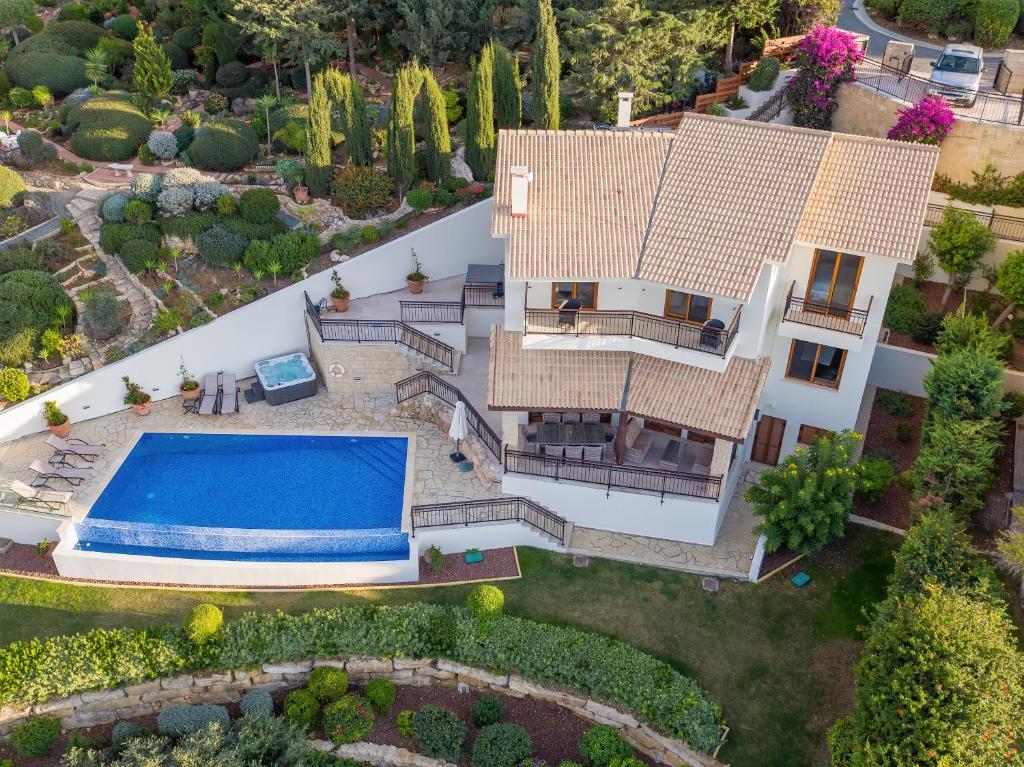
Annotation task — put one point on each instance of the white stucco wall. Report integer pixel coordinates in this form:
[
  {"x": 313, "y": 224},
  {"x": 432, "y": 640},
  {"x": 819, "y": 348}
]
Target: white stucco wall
[{"x": 28, "y": 526}]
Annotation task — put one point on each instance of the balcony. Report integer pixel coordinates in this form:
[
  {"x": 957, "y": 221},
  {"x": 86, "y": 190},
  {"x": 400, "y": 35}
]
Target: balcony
[
  {"x": 824, "y": 315},
  {"x": 706, "y": 338}
]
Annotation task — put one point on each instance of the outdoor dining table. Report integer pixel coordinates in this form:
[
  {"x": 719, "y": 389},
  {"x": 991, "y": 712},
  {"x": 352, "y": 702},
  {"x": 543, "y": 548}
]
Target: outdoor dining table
[{"x": 570, "y": 434}]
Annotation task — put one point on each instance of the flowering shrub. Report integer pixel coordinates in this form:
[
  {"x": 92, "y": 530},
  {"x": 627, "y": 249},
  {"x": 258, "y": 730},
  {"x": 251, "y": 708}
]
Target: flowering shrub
[
  {"x": 163, "y": 144},
  {"x": 928, "y": 121},
  {"x": 348, "y": 720},
  {"x": 825, "y": 59}
]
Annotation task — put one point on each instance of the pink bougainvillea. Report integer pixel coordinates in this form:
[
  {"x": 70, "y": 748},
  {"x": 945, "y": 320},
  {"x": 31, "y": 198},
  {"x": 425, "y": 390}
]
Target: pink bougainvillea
[
  {"x": 825, "y": 58},
  {"x": 928, "y": 121}
]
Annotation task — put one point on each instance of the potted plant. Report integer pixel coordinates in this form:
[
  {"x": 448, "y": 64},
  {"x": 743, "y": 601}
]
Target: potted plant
[
  {"x": 189, "y": 386},
  {"x": 140, "y": 401},
  {"x": 300, "y": 192},
  {"x": 339, "y": 296},
  {"x": 56, "y": 420},
  {"x": 416, "y": 277}
]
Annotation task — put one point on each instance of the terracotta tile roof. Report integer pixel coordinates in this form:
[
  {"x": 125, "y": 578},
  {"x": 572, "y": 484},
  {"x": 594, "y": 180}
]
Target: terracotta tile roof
[
  {"x": 550, "y": 379},
  {"x": 722, "y": 404},
  {"x": 868, "y": 197},
  {"x": 731, "y": 198},
  {"x": 588, "y": 204}
]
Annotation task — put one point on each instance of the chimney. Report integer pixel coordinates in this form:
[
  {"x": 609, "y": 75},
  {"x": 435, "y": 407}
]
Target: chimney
[
  {"x": 521, "y": 178},
  {"x": 625, "y": 110}
]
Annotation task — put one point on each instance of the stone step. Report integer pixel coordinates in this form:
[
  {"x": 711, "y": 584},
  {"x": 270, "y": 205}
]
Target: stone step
[{"x": 92, "y": 194}]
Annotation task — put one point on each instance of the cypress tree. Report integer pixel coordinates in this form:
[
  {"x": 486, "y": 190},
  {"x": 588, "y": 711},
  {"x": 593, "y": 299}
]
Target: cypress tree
[
  {"x": 345, "y": 92},
  {"x": 401, "y": 133},
  {"x": 546, "y": 69},
  {"x": 318, "y": 138},
  {"x": 480, "y": 116},
  {"x": 508, "y": 87},
  {"x": 152, "y": 76},
  {"x": 438, "y": 144}
]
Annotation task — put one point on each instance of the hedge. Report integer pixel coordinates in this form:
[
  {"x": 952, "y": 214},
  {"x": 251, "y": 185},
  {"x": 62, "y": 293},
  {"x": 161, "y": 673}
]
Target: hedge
[
  {"x": 60, "y": 73},
  {"x": 590, "y": 664},
  {"x": 108, "y": 128},
  {"x": 928, "y": 14},
  {"x": 114, "y": 236},
  {"x": 11, "y": 187},
  {"x": 223, "y": 145},
  {"x": 994, "y": 21}
]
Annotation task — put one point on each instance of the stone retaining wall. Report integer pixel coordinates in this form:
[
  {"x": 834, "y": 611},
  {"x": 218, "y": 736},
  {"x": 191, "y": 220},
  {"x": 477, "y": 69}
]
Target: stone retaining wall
[
  {"x": 105, "y": 706},
  {"x": 378, "y": 755}
]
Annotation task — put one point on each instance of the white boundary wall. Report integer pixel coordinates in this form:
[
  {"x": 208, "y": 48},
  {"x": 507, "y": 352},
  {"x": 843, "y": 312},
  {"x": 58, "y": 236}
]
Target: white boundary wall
[
  {"x": 269, "y": 327},
  {"x": 900, "y": 369}
]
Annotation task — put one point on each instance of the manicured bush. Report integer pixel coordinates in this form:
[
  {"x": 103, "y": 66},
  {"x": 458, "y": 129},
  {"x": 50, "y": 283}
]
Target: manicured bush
[
  {"x": 502, "y": 745},
  {"x": 50, "y": 62},
  {"x": 183, "y": 135},
  {"x": 136, "y": 254},
  {"x": 138, "y": 212},
  {"x": 232, "y": 74},
  {"x": 328, "y": 684},
  {"x": 381, "y": 694},
  {"x": 439, "y": 732},
  {"x": 994, "y": 21},
  {"x": 176, "y": 201},
  {"x": 965, "y": 383},
  {"x": 28, "y": 306},
  {"x": 108, "y": 128},
  {"x": 189, "y": 225},
  {"x": 204, "y": 623},
  {"x": 181, "y": 177},
  {"x": 403, "y": 723},
  {"x": 183, "y": 80},
  {"x": 360, "y": 191},
  {"x": 11, "y": 187},
  {"x": 19, "y": 258},
  {"x": 80, "y": 35},
  {"x": 102, "y": 315},
  {"x": 224, "y": 144},
  {"x": 877, "y": 474},
  {"x": 420, "y": 199},
  {"x": 207, "y": 193},
  {"x": 348, "y": 719},
  {"x": 73, "y": 12},
  {"x": 215, "y": 103},
  {"x": 219, "y": 247},
  {"x": 764, "y": 74},
  {"x": 125, "y": 731},
  {"x": 487, "y": 711},
  {"x": 175, "y": 55},
  {"x": 258, "y": 206},
  {"x": 162, "y": 144},
  {"x": 249, "y": 231},
  {"x": 125, "y": 27},
  {"x": 114, "y": 236},
  {"x": 290, "y": 251},
  {"x": 227, "y": 205},
  {"x": 33, "y": 151},
  {"x": 185, "y": 38},
  {"x": 601, "y": 744},
  {"x": 14, "y": 386},
  {"x": 301, "y": 708},
  {"x": 906, "y": 305},
  {"x": 36, "y": 737},
  {"x": 147, "y": 187},
  {"x": 113, "y": 208},
  {"x": 927, "y": 14},
  {"x": 176, "y": 721},
  {"x": 485, "y": 600},
  {"x": 257, "y": 703}
]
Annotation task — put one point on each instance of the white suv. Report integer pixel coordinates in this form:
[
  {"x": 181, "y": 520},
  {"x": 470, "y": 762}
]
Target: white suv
[{"x": 956, "y": 75}]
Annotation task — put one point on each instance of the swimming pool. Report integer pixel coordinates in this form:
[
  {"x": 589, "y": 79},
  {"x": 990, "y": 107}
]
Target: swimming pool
[{"x": 256, "y": 497}]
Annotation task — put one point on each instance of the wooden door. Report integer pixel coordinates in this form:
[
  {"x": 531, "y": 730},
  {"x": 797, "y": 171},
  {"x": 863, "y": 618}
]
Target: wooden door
[{"x": 768, "y": 440}]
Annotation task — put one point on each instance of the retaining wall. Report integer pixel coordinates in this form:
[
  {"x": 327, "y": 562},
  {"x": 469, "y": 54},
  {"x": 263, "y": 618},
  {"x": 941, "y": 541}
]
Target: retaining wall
[{"x": 105, "y": 706}]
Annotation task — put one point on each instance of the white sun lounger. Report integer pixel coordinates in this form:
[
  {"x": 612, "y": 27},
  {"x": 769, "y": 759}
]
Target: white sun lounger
[
  {"x": 39, "y": 497},
  {"x": 229, "y": 394},
  {"x": 76, "y": 447},
  {"x": 210, "y": 396},
  {"x": 69, "y": 474}
]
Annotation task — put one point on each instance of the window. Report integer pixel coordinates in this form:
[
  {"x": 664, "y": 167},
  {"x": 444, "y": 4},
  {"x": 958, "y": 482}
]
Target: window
[
  {"x": 833, "y": 283},
  {"x": 584, "y": 292},
  {"x": 808, "y": 434},
  {"x": 687, "y": 307},
  {"x": 816, "y": 363}
]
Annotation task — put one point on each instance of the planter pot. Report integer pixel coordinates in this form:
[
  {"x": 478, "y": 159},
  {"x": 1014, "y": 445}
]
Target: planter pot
[
  {"x": 301, "y": 194},
  {"x": 414, "y": 287},
  {"x": 62, "y": 431},
  {"x": 476, "y": 556},
  {"x": 193, "y": 394},
  {"x": 340, "y": 304},
  {"x": 143, "y": 409}
]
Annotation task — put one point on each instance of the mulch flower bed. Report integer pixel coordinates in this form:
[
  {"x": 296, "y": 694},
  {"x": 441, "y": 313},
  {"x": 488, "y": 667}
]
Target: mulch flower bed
[
  {"x": 772, "y": 563},
  {"x": 23, "y": 560}
]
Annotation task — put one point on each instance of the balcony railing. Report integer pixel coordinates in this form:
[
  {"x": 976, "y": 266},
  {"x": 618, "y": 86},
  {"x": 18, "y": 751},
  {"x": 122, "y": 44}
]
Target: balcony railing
[
  {"x": 651, "y": 327},
  {"x": 825, "y": 314},
  {"x": 476, "y": 295},
  {"x": 489, "y": 511},
  {"x": 426, "y": 382},
  {"x": 612, "y": 475}
]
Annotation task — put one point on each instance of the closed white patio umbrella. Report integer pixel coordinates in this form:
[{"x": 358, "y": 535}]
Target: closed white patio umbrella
[{"x": 458, "y": 430}]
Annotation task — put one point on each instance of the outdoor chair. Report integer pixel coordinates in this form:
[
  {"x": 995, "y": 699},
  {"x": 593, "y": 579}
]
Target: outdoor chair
[
  {"x": 229, "y": 394},
  {"x": 568, "y": 312},
  {"x": 593, "y": 453},
  {"x": 552, "y": 451},
  {"x": 570, "y": 417},
  {"x": 711, "y": 333},
  {"x": 70, "y": 474},
  {"x": 551, "y": 417},
  {"x": 638, "y": 442},
  {"x": 73, "y": 447},
  {"x": 591, "y": 418},
  {"x": 38, "y": 497},
  {"x": 575, "y": 452},
  {"x": 210, "y": 398}
]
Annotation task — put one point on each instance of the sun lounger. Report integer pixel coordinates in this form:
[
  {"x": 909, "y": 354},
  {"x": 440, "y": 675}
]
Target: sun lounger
[
  {"x": 69, "y": 474},
  {"x": 39, "y": 497},
  {"x": 75, "y": 447},
  {"x": 210, "y": 397},
  {"x": 229, "y": 394}
]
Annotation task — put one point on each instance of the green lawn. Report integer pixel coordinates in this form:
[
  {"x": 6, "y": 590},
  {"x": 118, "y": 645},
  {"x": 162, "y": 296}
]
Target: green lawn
[{"x": 779, "y": 660}]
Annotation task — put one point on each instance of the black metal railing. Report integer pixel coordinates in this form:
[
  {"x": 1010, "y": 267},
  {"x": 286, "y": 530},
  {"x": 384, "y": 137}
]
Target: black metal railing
[
  {"x": 453, "y": 312},
  {"x": 826, "y": 314},
  {"x": 651, "y": 327},
  {"x": 481, "y": 294},
  {"x": 380, "y": 331},
  {"x": 611, "y": 475},
  {"x": 1002, "y": 226},
  {"x": 426, "y": 382},
  {"x": 507, "y": 509},
  {"x": 770, "y": 109}
]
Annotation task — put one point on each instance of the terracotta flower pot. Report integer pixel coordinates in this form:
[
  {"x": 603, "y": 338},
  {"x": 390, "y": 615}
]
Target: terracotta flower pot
[
  {"x": 192, "y": 394},
  {"x": 143, "y": 409},
  {"x": 340, "y": 304},
  {"x": 301, "y": 194},
  {"x": 414, "y": 287},
  {"x": 62, "y": 430}
]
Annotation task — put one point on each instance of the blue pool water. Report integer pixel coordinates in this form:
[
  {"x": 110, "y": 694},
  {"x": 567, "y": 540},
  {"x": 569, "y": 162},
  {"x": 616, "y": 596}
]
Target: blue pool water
[{"x": 254, "y": 497}]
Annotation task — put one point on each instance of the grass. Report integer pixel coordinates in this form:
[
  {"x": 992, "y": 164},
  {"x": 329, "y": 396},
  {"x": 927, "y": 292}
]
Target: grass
[{"x": 778, "y": 659}]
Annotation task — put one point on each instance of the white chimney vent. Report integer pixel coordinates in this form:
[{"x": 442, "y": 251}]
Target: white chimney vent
[
  {"x": 521, "y": 178},
  {"x": 625, "y": 110}
]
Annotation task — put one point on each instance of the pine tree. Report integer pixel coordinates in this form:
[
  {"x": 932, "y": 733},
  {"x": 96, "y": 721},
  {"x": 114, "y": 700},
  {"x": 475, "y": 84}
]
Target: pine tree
[
  {"x": 508, "y": 87},
  {"x": 152, "y": 76},
  {"x": 347, "y": 96},
  {"x": 480, "y": 141},
  {"x": 401, "y": 133},
  {"x": 546, "y": 69},
  {"x": 318, "y": 139},
  {"x": 438, "y": 144}
]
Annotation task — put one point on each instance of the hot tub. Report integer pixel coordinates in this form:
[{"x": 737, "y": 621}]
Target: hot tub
[{"x": 287, "y": 378}]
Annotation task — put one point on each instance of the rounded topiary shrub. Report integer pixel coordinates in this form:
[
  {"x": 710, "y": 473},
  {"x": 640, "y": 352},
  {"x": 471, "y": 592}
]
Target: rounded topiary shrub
[
  {"x": 224, "y": 144},
  {"x": 207, "y": 193},
  {"x": 146, "y": 187},
  {"x": 502, "y": 745},
  {"x": 179, "y": 177},
  {"x": 125, "y": 26},
  {"x": 420, "y": 199},
  {"x": 114, "y": 236},
  {"x": 403, "y": 723},
  {"x": 136, "y": 254},
  {"x": 113, "y": 207},
  {"x": 177, "y": 56},
  {"x": 487, "y": 711},
  {"x": 764, "y": 74},
  {"x": 204, "y": 622},
  {"x": 301, "y": 708},
  {"x": 138, "y": 212},
  {"x": 232, "y": 74},
  {"x": 108, "y": 128},
  {"x": 33, "y": 151},
  {"x": 176, "y": 201},
  {"x": 601, "y": 744},
  {"x": 36, "y": 737},
  {"x": 11, "y": 187},
  {"x": 102, "y": 315},
  {"x": 328, "y": 684},
  {"x": 348, "y": 719},
  {"x": 14, "y": 385},
  {"x": 381, "y": 694},
  {"x": 439, "y": 732},
  {"x": 185, "y": 38},
  {"x": 125, "y": 731},
  {"x": 486, "y": 599},
  {"x": 219, "y": 247},
  {"x": 163, "y": 144},
  {"x": 60, "y": 73},
  {"x": 994, "y": 21},
  {"x": 258, "y": 206},
  {"x": 183, "y": 135},
  {"x": 28, "y": 306},
  {"x": 80, "y": 35},
  {"x": 182, "y": 720},
  {"x": 257, "y": 703}
]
